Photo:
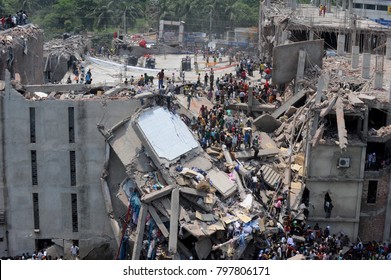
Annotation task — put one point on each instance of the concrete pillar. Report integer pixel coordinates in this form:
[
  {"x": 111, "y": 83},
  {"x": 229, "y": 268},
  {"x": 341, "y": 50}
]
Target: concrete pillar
[
  {"x": 341, "y": 44},
  {"x": 388, "y": 49},
  {"x": 378, "y": 82},
  {"x": 343, "y": 5},
  {"x": 300, "y": 68},
  {"x": 311, "y": 35},
  {"x": 284, "y": 37},
  {"x": 366, "y": 66},
  {"x": 181, "y": 29},
  {"x": 355, "y": 56},
  {"x": 328, "y": 6},
  {"x": 268, "y": 3}
]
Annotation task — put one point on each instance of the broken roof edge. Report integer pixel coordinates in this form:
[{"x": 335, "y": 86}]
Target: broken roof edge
[{"x": 159, "y": 161}]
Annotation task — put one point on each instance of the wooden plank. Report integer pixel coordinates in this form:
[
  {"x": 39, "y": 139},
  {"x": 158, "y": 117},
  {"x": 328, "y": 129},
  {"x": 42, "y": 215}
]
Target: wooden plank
[
  {"x": 342, "y": 133},
  {"x": 157, "y": 194},
  {"x": 174, "y": 221},
  {"x": 158, "y": 221},
  {"x": 140, "y": 231},
  {"x": 326, "y": 110}
]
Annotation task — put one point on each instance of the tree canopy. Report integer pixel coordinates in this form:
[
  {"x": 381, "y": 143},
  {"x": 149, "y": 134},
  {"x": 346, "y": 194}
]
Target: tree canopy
[{"x": 58, "y": 16}]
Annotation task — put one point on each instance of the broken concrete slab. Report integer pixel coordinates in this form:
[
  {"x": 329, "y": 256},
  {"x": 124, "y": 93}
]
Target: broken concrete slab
[
  {"x": 192, "y": 191},
  {"x": 157, "y": 194},
  {"x": 145, "y": 95},
  {"x": 57, "y": 88},
  {"x": 266, "y": 123},
  {"x": 222, "y": 183},
  {"x": 199, "y": 229},
  {"x": 291, "y": 111},
  {"x": 125, "y": 143},
  {"x": 205, "y": 217},
  {"x": 247, "y": 154},
  {"x": 291, "y": 101},
  {"x": 271, "y": 176},
  {"x": 203, "y": 247},
  {"x": 200, "y": 162}
]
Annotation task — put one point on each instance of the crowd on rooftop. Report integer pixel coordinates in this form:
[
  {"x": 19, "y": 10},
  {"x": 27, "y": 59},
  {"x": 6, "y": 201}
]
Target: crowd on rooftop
[{"x": 10, "y": 21}]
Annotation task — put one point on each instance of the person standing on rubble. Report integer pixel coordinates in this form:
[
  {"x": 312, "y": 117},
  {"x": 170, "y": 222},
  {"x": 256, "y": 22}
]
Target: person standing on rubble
[
  {"x": 160, "y": 77},
  {"x": 88, "y": 77}
]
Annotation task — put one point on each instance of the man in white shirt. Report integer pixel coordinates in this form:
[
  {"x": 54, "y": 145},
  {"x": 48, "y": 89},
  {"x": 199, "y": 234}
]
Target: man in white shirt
[{"x": 74, "y": 251}]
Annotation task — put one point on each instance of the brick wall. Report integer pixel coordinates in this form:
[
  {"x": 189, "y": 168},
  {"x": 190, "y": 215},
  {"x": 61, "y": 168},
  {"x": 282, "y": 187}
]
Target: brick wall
[{"x": 372, "y": 216}]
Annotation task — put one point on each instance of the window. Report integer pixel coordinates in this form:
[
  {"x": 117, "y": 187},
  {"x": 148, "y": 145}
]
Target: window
[
  {"x": 34, "y": 171},
  {"x": 71, "y": 124},
  {"x": 36, "y": 211},
  {"x": 32, "y": 125},
  {"x": 357, "y": 6},
  {"x": 370, "y": 7},
  {"x": 72, "y": 157},
  {"x": 382, "y": 8},
  {"x": 372, "y": 192},
  {"x": 75, "y": 223}
]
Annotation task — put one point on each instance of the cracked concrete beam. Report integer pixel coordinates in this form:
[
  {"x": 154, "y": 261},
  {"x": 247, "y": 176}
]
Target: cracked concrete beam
[
  {"x": 192, "y": 191},
  {"x": 326, "y": 110},
  {"x": 147, "y": 198},
  {"x": 140, "y": 231},
  {"x": 342, "y": 133},
  {"x": 174, "y": 221},
  {"x": 318, "y": 135},
  {"x": 158, "y": 221}
]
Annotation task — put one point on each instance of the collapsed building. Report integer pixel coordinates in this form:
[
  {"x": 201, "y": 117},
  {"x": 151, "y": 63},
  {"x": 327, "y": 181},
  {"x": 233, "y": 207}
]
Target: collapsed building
[{"x": 92, "y": 166}]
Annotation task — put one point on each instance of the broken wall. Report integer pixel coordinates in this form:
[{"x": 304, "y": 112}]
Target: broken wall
[
  {"x": 344, "y": 185},
  {"x": 285, "y": 59},
  {"x": 53, "y": 157},
  {"x": 373, "y": 215},
  {"x": 27, "y": 58}
]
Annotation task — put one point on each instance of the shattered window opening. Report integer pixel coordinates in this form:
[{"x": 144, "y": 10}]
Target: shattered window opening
[
  {"x": 72, "y": 158},
  {"x": 32, "y": 125},
  {"x": 36, "y": 210},
  {"x": 71, "y": 124},
  {"x": 34, "y": 168},
  {"x": 372, "y": 192},
  {"x": 75, "y": 222}
]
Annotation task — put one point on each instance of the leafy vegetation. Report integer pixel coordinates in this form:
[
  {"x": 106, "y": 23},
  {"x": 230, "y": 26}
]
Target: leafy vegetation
[{"x": 58, "y": 16}]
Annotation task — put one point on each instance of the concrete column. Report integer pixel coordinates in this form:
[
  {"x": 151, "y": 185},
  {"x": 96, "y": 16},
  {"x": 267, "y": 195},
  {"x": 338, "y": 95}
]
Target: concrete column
[
  {"x": 343, "y": 5},
  {"x": 378, "y": 82},
  {"x": 328, "y": 6},
  {"x": 268, "y": 4},
  {"x": 161, "y": 28},
  {"x": 366, "y": 66},
  {"x": 311, "y": 35},
  {"x": 388, "y": 49},
  {"x": 181, "y": 29},
  {"x": 355, "y": 56},
  {"x": 341, "y": 44},
  {"x": 294, "y": 5},
  {"x": 284, "y": 37},
  {"x": 300, "y": 68}
]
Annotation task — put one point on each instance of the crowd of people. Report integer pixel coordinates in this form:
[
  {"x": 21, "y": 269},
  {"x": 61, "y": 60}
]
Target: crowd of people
[{"x": 10, "y": 21}]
